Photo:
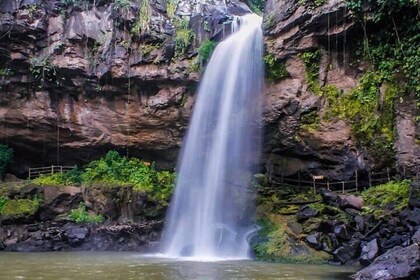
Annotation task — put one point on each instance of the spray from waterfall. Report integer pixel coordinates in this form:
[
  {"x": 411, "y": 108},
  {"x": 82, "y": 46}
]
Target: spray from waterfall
[{"x": 211, "y": 212}]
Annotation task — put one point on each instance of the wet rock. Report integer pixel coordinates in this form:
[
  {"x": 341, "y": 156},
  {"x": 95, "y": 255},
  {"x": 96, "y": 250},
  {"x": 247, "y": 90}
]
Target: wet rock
[
  {"x": 414, "y": 217},
  {"x": 397, "y": 263},
  {"x": 416, "y": 237},
  {"x": 306, "y": 212},
  {"x": 414, "y": 199},
  {"x": 341, "y": 231},
  {"x": 76, "y": 234},
  {"x": 313, "y": 240},
  {"x": 360, "y": 222},
  {"x": 329, "y": 197},
  {"x": 346, "y": 253},
  {"x": 369, "y": 252}
]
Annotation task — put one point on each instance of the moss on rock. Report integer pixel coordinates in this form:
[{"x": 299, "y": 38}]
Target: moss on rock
[{"x": 20, "y": 208}]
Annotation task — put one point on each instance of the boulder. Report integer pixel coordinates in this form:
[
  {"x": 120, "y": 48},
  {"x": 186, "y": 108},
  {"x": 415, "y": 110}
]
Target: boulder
[
  {"x": 329, "y": 197},
  {"x": 348, "y": 252},
  {"x": 306, "y": 212},
  {"x": 414, "y": 217},
  {"x": 76, "y": 234},
  {"x": 350, "y": 201},
  {"x": 313, "y": 240},
  {"x": 414, "y": 199},
  {"x": 369, "y": 252},
  {"x": 397, "y": 263}
]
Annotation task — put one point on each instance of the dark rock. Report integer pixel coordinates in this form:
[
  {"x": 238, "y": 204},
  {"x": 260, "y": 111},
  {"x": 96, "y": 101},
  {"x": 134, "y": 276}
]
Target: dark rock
[
  {"x": 76, "y": 235},
  {"x": 361, "y": 224},
  {"x": 313, "y": 240},
  {"x": 350, "y": 201},
  {"x": 342, "y": 232},
  {"x": 329, "y": 242},
  {"x": 395, "y": 240},
  {"x": 414, "y": 200},
  {"x": 369, "y": 252},
  {"x": 416, "y": 237},
  {"x": 414, "y": 217},
  {"x": 306, "y": 212},
  {"x": 397, "y": 263},
  {"x": 295, "y": 227},
  {"x": 346, "y": 253},
  {"x": 329, "y": 197}
]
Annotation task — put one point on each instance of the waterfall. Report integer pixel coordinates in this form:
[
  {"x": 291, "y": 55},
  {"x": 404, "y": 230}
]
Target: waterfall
[{"x": 211, "y": 212}]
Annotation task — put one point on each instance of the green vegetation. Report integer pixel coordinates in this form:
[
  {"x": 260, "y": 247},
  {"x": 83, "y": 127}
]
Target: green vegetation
[
  {"x": 3, "y": 201},
  {"x": 122, "y": 5},
  {"x": 142, "y": 25},
  {"x": 184, "y": 36},
  {"x": 42, "y": 70},
  {"x": 379, "y": 197},
  {"x": 6, "y": 156},
  {"x": 281, "y": 245},
  {"x": 257, "y": 6},
  {"x": 311, "y": 61},
  {"x": 72, "y": 177},
  {"x": 19, "y": 208},
  {"x": 395, "y": 49},
  {"x": 310, "y": 121},
  {"x": 370, "y": 114},
  {"x": 81, "y": 215},
  {"x": 171, "y": 6},
  {"x": 206, "y": 49},
  {"x": 116, "y": 170},
  {"x": 275, "y": 70},
  {"x": 312, "y": 3}
]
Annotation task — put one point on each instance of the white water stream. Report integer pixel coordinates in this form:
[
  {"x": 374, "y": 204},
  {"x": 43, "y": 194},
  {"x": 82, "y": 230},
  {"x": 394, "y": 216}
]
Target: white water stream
[{"x": 211, "y": 212}]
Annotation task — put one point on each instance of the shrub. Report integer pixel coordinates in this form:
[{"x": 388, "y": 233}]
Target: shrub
[
  {"x": 72, "y": 177},
  {"x": 81, "y": 215},
  {"x": 379, "y": 197},
  {"x": 117, "y": 170},
  {"x": 6, "y": 156}
]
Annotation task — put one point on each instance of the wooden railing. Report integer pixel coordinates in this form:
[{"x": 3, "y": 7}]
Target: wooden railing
[
  {"x": 48, "y": 170},
  {"x": 353, "y": 185}
]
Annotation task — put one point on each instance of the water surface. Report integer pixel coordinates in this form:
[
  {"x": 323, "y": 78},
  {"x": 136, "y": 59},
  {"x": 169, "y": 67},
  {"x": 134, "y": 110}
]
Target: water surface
[{"x": 124, "y": 265}]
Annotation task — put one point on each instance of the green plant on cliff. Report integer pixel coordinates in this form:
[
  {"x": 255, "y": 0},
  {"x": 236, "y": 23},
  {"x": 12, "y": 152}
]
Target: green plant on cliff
[
  {"x": 144, "y": 17},
  {"x": 377, "y": 198},
  {"x": 171, "y": 6},
  {"x": 205, "y": 51},
  {"x": 312, "y": 3},
  {"x": 394, "y": 49},
  {"x": 184, "y": 36},
  {"x": 72, "y": 177},
  {"x": 274, "y": 69},
  {"x": 114, "y": 169},
  {"x": 19, "y": 208},
  {"x": 6, "y": 156},
  {"x": 311, "y": 60},
  {"x": 81, "y": 215},
  {"x": 369, "y": 112}
]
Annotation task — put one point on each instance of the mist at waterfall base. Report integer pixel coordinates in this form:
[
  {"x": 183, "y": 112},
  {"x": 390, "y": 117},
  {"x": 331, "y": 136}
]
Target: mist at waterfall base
[{"x": 212, "y": 211}]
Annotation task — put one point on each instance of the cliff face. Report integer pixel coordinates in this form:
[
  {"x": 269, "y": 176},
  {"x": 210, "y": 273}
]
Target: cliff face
[{"x": 77, "y": 80}]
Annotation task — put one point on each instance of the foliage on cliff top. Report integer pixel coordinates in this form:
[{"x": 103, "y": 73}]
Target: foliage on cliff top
[
  {"x": 377, "y": 198},
  {"x": 274, "y": 69},
  {"x": 72, "y": 177},
  {"x": 205, "y": 51},
  {"x": 6, "y": 156}
]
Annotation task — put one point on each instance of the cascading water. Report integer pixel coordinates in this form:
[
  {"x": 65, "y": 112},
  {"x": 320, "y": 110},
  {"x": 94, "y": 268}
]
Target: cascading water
[{"x": 211, "y": 213}]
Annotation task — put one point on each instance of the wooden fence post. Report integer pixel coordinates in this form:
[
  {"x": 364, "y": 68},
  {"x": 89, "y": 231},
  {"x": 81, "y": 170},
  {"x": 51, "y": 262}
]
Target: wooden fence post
[
  {"x": 343, "y": 186},
  {"x": 387, "y": 174},
  {"x": 299, "y": 179},
  {"x": 314, "y": 186},
  {"x": 328, "y": 185},
  {"x": 370, "y": 179},
  {"x": 357, "y": 180}
]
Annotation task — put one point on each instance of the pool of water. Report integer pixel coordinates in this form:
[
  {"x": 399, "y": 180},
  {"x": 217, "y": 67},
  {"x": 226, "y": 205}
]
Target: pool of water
[{"x": 127, "y": 265}]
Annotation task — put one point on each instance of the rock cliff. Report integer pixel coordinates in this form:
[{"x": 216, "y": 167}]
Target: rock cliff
[{"x": 80, "y": 78}]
